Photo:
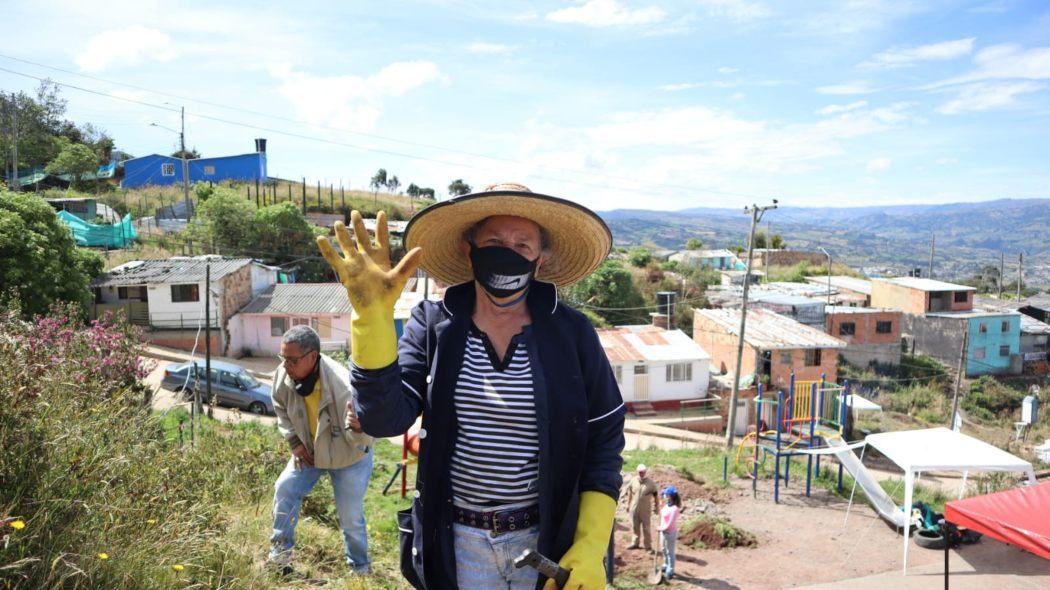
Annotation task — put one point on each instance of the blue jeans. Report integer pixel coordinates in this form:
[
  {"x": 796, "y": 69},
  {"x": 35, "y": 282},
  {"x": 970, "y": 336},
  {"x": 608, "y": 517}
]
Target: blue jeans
[
  {"x": 484, "y": 561},
  {"x": 349, "y": 485},
  {"x": 669, "y": 540}
]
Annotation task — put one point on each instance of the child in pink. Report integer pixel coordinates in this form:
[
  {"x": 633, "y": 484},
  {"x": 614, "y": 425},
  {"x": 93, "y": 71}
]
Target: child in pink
[{"x": 669, "y": 528}]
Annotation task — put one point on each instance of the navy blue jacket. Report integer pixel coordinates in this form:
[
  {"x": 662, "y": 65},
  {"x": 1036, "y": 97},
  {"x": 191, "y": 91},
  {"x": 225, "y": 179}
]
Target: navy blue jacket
[{"x": 580, "y": 416}]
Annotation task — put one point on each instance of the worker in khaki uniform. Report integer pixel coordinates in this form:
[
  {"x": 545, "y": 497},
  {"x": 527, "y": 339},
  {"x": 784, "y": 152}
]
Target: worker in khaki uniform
[
  {"x": 311, "y": 396},
  {"x": 639, "y": 491}
]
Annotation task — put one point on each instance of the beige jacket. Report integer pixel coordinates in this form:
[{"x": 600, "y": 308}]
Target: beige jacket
[{"x": 335, "y": 446}]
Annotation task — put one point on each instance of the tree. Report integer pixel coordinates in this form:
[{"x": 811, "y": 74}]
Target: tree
[
  {"x": 378, "y": 180},
  {"x": 190, "y": 154},
  {"x": 776, "y": 242},
  {"x": 760, "y": 239},
  {"x": 225, "y": 221},
  {"x": 639, "y": 256},
  {"x": 458, "y": 187},
  {"x": 693, "y": 244},
  {"x": 426, "y": 193},
  {"x": 393, "y": 183},
  {"x": 42, "y": 263},
  {"x": 610, "y": 292},
  {"x": 281, "y": 234},
  {"x": 412, "y": 190},
  {"x": 76, "y": 159}
]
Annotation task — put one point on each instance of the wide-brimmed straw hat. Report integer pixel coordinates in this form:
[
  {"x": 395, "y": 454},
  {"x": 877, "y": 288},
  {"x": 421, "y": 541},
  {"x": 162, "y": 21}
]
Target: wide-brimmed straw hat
[{"x": 578, "y": 239}]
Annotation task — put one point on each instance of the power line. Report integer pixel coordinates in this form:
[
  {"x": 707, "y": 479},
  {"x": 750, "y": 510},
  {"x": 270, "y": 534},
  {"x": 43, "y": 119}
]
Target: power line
[{"x": 645, "y": 185}]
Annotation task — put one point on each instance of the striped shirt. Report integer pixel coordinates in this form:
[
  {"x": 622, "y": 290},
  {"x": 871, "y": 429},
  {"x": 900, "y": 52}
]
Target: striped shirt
[{"x": 495, "y": 460}]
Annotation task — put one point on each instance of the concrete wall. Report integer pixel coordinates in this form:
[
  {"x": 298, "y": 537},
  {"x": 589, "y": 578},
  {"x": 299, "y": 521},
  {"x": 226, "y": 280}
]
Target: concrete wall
[
  {"x": 184, "y": 340},
  {"x": 990, "y": 342},
  {"x": 787, "y": 258},
  {"x": 938, "y": 337},
  {"x": 892, "y": 296},
  {"x": 659, "y": 388},
  {"x": 866, "y": 345},
  {"x": 251, "y": 333}
]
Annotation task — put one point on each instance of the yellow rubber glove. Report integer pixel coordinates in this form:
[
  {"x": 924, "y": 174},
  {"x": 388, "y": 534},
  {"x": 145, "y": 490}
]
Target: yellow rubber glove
[
  {"x": 589, "y": 544},
  {"x": 372, "y": 287}
]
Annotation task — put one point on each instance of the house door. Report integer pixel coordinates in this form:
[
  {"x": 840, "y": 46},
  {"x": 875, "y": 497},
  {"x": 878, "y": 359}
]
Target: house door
[{"x": 641, "y": 383}]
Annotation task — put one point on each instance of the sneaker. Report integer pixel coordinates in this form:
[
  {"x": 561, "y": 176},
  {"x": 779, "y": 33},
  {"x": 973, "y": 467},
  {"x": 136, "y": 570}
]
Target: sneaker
[
  {"x": 633, "y": 546},
  {"x": 280, "y": 562}
]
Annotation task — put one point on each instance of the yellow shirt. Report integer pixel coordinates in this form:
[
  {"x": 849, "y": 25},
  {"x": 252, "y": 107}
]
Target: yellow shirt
[{"x": 313, "y": 405}]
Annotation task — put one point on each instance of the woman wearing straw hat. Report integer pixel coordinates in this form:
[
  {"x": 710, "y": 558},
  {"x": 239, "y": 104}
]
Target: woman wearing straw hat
[{"x": 522, "y": 421}]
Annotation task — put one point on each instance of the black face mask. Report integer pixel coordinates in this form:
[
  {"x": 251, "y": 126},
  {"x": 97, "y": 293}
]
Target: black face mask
[
  {"x": 501, "y": 271},
  {"x": 306, "y": 386}
]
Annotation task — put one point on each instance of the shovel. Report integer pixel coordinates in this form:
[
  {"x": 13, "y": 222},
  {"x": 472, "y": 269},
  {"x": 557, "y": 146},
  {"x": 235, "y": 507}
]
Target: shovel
[{"x": 657, "y": 575}]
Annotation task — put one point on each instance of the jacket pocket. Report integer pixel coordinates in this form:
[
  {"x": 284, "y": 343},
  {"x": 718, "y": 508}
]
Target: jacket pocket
[{"x": 406, "y": 536}]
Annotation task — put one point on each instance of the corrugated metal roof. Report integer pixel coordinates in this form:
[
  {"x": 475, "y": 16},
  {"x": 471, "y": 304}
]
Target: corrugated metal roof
[
  {"x": 1030, "y": 325},
  {"x": 301, "y": 298},
  {"x": 840, "y": 309},
  {"x": 973, "y": 313},
  {"x": 927, "y": 284},
  {"x": 649, "y": 343},
  {"x": 170, "y": 270},
  {"x": 770, "y": 331},
  {"x": 844, "y": 282}
]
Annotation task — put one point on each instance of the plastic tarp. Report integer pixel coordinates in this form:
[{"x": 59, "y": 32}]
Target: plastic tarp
[
  {"x": 940, "y": 449},
  {"x": 117, "y": 235},
  {"x": 1020, "y": 517}
]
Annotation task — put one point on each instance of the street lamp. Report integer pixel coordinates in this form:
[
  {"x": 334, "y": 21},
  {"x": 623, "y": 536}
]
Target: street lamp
[{"x": 829, "y": 272}]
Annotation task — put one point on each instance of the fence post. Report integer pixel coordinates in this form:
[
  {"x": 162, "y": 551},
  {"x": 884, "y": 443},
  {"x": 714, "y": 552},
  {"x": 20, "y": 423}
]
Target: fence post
[
  {"x": 304, "y": 195},
  {"x": 331, "y": 198}
]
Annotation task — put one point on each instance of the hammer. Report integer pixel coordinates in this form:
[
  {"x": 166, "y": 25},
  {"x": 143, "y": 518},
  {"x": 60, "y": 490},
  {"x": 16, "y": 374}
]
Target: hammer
[{"x": 543, "y": 565}]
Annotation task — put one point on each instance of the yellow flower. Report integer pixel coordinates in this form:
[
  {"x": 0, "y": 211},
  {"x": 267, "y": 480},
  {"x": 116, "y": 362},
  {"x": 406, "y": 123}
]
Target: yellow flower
[
  {"x": 18, "y": 524},
  {"x": 178, "y": 567},
  {"x": 151, "y": 521},
  {"x": 103, "y": 556},
  {"x": 368, "y": 527}
]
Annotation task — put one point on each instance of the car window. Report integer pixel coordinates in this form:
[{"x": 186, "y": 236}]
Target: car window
[
  {"x": 228, "y": 379},
  {"x": 248, "y": 381}
]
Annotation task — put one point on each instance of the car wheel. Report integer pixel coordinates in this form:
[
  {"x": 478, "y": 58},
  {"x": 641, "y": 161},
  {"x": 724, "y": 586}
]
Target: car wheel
[
  {"x": 257, "y": 408},
  {"x": 929, "y": 539}
]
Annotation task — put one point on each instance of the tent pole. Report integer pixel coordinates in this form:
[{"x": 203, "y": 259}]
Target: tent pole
[
  {"x": 962, "y": 486},
  {"x": 909, "y": 481},
  {"x": 854, "y": 490}
]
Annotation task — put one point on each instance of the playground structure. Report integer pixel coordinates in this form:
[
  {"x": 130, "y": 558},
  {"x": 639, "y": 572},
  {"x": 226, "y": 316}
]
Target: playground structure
[{"x": 811, "y": 417}]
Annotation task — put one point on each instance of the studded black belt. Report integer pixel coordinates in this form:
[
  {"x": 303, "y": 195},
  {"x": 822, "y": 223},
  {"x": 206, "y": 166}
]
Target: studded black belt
[{"x": 499, "y": 521}]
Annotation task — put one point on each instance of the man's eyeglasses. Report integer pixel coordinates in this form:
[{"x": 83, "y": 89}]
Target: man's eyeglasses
[{"x": 292, "y": 360}]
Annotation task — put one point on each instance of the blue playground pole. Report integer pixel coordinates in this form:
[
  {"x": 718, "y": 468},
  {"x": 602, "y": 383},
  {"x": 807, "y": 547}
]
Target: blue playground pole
[
  {"x": 842, "y": 420},
  {"x": 789, "y": 413},
  {"x": 820, "y": 416},
  {"x": 812, "y": 431},
  {"x": 776, "y": 469},
  {"x": 758, "y": 440}
]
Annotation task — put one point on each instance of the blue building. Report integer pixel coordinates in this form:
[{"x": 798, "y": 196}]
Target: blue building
[
  {"x": 993, "y": 339},
  {"x": 156, "y": 169}
]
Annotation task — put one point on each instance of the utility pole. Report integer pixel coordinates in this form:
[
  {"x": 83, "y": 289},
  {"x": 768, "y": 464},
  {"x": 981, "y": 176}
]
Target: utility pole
[
  {"x": 756, "y": 216},
  {"x": 185, "y": 164},
  {"x": 14, "y": 144},
  {"x": 1020, "y": 273},
  {"x": 828, "y": 254},
  {"x": 959, "y": 375},
  {"x": 933, "y": 238},
  {"x": 207, "y": 337},
  {"x": 1002, "y": 263}
]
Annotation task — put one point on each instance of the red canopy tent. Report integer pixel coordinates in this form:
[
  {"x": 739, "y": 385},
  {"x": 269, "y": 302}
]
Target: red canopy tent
[{"x": 1019, "y": 516}]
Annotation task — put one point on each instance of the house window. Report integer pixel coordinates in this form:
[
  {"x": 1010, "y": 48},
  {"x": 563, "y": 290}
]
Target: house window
[
  {"x": 679, "y": 372},
  {"x": 131, "y": 293},
  {"x": 983, "y": 328},
  {"x": 209, "y": 170},
  {"x": 278, "y": 326},
  {"x": 167, "y": 169},
  {"x": 960, "y": 297},
  {"x": 884, "y": 327},
  {"x": 185, "y": 293},
  {"x": 978, "y": 353},
  {"x": 1004, "y": 350},
  {"x": 641, "y": 369},
  {"x": 618, "y": 373},
  {"x": 847, "y": 329},
  {"x": 785, "y": 357},
  {"x": 1006, "y": 326},
  {"x": 300, "y": 322},
  {"x": 813, "y": 357}
]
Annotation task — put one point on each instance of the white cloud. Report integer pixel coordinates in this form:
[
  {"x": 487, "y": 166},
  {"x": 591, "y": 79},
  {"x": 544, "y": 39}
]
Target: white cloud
[
  {"x": 737, "y": 10},
  {"x": 999, "y": 62},
  {"x": 901, "y": 57},
  {"x": 125, "y": 46},
  {"x": 607, "y": 13},
  {"x": 988, "y": 95},
  {"x": 846, "y": 88},
  {"x": 681, "y": 86},
  {"x": 354, "y": 102},
  {"x": 877, "y": 165},
  {"x": 727, "y": 70},
  {"x": 850, "y": 17},
  {"x": 484, "y": 47},
  {"x": 832, "y": 109}
]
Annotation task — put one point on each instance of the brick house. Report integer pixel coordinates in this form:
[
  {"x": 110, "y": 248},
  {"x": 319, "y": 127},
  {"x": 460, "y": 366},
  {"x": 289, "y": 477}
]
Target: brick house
[
  {"x": 872, "y": 335},
  {"x": 921, "y": 296}
]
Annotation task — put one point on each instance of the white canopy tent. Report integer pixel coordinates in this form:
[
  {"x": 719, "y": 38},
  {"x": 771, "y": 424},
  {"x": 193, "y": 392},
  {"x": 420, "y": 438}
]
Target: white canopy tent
[{"x": 940, "y": 449}]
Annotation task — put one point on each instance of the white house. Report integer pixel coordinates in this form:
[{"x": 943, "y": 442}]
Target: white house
[
  {"x": 656, "y": 366},
  {"x": 168, "y": 296},
  {"x": 717, "y": 259},
  {"x": 258, "y": 327}
]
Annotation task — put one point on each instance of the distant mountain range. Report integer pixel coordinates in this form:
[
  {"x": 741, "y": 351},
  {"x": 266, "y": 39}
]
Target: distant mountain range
[{"x": 967, "y": 235}]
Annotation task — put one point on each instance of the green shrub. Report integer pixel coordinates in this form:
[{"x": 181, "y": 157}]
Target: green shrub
[{"x": 989, "y": 399}]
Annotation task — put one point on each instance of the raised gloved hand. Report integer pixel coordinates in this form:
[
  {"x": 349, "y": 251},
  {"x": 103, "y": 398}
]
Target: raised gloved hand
[
  {"x": 372, "y": 286},
  {"x": 589, "y": 544}
]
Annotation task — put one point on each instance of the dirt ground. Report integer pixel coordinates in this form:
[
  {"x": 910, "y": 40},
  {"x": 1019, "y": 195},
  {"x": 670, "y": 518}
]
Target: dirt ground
[{"x": 800, "y": 542}]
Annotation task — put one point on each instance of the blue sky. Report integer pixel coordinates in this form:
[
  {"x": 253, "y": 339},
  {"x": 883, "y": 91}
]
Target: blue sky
[{"x": 613, "y": 103}]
